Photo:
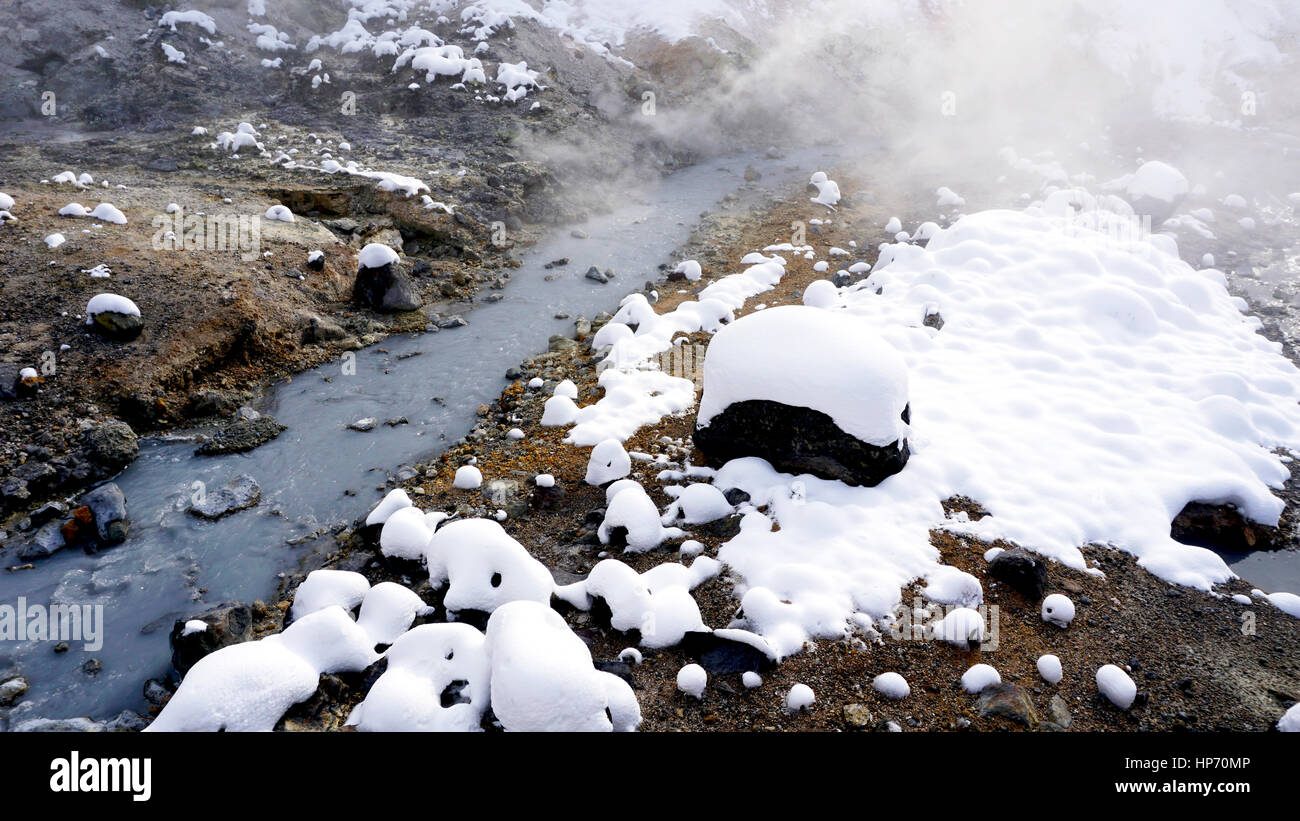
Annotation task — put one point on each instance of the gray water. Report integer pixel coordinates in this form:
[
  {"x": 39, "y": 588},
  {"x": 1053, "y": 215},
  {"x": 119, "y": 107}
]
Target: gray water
[{"x": 175, "y": 565}]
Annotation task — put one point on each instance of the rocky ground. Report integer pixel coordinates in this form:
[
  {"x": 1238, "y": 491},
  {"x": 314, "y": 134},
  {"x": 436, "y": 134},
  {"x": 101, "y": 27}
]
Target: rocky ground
[
  {"x": 219, "y": 324},
  {"x": 1201, "y": 661}
]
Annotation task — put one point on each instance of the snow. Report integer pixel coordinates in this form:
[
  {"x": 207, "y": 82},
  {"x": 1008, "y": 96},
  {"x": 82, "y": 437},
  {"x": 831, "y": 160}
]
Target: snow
[
  {"x": 247, "y": 687},
  {"x": 630, "y": 655},
  {"x": 891, "y": 685},
  {"x": 543, "y": 679},
  {"x": 634, "y": 511},
  {"x": 1290, "y": 720},
  {"x": 376, "y": 255},
  {"x": 1058, "y": 609},
  {"x": 280, "y": 213},
  {"x": 566, "y": 388},
  {"x": 422, "y": 664},
  {"x": 1049, "y": 667},
  {"x": 608, "y": 462},
  {"x": 979, "y": 677},
  {"x": 690, "y": 269},
  {"x": 6, "y": 202},
  {"x": 656, "y": 603},
  {"x": 1158, "y": 181},
  {"x": 394, "y": 501},
  {"x": 544, "y": 480},
  {"x": 828, "y": 191},
  {"x": 328, "y": 588},
  {"x": 827, "y": 361},
  {"x": 948, "y": 198},
  {"x": 893, "y": 226},
  {"x": 55, "y": 240},
  {"x": 483, "y": 567},
  {"x": 388, "y": 610},
  {"x": 697, "y": 504},
  {"x": 108, "y": 213},
  {"x": 194, "y": 626},
  {"x": 173, "y": 54},
  {"x": 820, "y": 294},
  {"x": 751, "y": 680},
  {"x": 405, "y": 534},
  {"x": 1288, "y": 603},
  {"x": 692, "y": 680},
  {"x": 799, "y": 698},
  {"x": 1116, "y": 685},
  {"x": 961, "y": 627},
  {"x": 558, "y": 411},
  {"x": 194, "y": 18},
  {"x": 468, "y": 477},
  {"x": 110, "y": 304},
  {"x": 948, "y": 585}
]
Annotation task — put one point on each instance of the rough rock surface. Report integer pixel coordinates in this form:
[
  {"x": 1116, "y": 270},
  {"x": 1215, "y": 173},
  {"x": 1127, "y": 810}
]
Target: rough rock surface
[{"x": 796, "y": 440}]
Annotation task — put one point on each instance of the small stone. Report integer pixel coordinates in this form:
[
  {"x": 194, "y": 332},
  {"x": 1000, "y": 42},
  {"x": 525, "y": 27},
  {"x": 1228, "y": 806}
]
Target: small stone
[{"x": 857, "y": 715}]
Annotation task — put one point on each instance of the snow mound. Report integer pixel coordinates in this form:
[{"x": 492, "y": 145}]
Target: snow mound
[
  {"x": 390, "y": 504},
  {"x": 279, "y": 213},
  {"x": 422, "y": 664},
  {"x": 376, "y": 255},
  {"x": 1116, "y": 685},
  {"x": 979, "y": 677},
  {"x": 827, "y": 361},
  {"x": 632, "y": 513},
  {"x": 691, "y": 680},
  {"x": 405, "y": 534},
  {"x": 657, "y": 603},
  {"x": 468, "y": 477},
  {"x": 328, "y": 588},
  {"x": 828, "y": 191},
  {"x": 608, "y": 462},
  {"x": 696, "y": 504},
  {"x": 110, "y": 304},
  {"x": 248, "y": 687},
  {"x": 1049, "y": 667},
  {"x": 483, "y": 567},
  {"x": 543, "y": 679},
  {"x": 891, "y": 685}
]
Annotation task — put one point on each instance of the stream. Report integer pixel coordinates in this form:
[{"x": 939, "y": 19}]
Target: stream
[{"x": 175, "y": 565}]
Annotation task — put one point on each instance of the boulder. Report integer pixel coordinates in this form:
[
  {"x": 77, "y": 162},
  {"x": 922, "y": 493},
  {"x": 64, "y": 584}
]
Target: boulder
[
  {"x": 242, "y": 435},
  {"x": 227, "y": 624},
  {"x": 386, "y": 288},
  {"x": 118, "y": 326},
  {"x": 107, "y": 504},
  {"x": 111, "y": 445},
  {"x": 240, "y": 493},
  {"x": 797, "y": 440},
  {"x": 1022, "y": 571}
]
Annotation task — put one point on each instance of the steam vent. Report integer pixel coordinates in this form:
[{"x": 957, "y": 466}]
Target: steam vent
[{"x": 809, "y": 390}]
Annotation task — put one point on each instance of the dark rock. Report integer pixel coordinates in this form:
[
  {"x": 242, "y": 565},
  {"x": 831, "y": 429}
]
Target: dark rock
[
  {"x": 721, "y": 656},
  {"x": 47, "y": 511},
  {"x": 92, "y": 667},
  {"x": 80, "y": 529},
  {"x": 1009, "y": 701},
  {"x": 108, "y": 505},
  {"x": 13, "y": 491},
  {"x": 618, "y": 668},
  {"x": 1022, "y": 571},
  {"x": 453, "y": 321},
  {"x": 596, "y": 275},
  {"x": 736, "y": 496},
  {"x": 227, "y": 624},
  {"x": 111, "y": 445},
  {"x": 117, "y": 326},
  {"x": 797, "y": 440},
  {"x": 1222, "y": 527},
  {"x": 240, "y": 493},
  {"x": 48, "y": 540},
  {"x": 934, "y": 320},
  {"x": 241, "y": 436},
  {"x": 317, "y": 263},
  {"x": 386, "y": 288},
  {"x": 215, "y": 403}
]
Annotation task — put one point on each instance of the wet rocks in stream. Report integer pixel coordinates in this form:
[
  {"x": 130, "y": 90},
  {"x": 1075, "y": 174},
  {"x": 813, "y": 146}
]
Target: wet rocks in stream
[{"x": 240, "y": 493}]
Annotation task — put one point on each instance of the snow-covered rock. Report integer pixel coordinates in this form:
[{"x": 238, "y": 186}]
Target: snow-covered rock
[
  {"x": 543, "y": 679},
  {"x": 483, "y": 567},
  {"x": 1116, "y": 685},
  {"x": 467, "y": 477},
  {"x": 1049, "y": 667},
  {"x": 979, "y": 677},
  {"x": 691, "y": 680},
  {"x": 799, "y": 698},
  {"x": 608, "y": 462},
  {"x": 1058, "y": 609},
  {"x": 810, "y": 391},
  {"x": 891, "y": 685}
]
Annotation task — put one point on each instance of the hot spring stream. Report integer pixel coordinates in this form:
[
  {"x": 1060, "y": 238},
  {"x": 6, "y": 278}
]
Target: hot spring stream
[{"x": 154, "y": 578}]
